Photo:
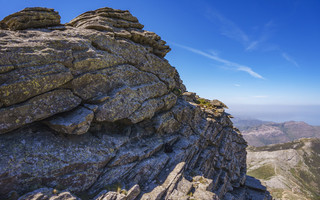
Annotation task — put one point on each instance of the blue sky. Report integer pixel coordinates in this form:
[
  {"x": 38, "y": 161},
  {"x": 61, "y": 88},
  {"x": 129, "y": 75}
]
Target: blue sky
[{"x": 240, "y": 52}]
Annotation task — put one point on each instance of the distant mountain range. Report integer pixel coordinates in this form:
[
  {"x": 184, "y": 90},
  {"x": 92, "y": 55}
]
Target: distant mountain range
[
  {"x": 289, "y": 170},
  {"x": 260, "y": 133},
  {"x": 290, "y": 163}
]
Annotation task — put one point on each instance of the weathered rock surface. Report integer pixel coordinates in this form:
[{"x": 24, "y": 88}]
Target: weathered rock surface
[
  {"x": 74, "y": 122},
  {"x": 48, "y": 194},
  {"x": 32, "y": 18},
  {"x": 121, "y": 24},
  {"x": 22, "y": 84},
  {"x": 93, "y": 108},
  {"x": 37, "y": 108}
]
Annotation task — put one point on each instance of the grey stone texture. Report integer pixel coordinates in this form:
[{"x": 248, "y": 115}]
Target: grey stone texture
[{"x": 92, "y": 110}]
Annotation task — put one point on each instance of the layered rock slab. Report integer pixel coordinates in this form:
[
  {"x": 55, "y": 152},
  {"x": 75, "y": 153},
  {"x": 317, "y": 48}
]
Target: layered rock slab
[
  {"x": 36, "y": 17},
  {"x": 116, "y": 75},
  {"x": 75, "y": 122},
  {"x": 123, "y": 25},
  {"x": 37, "y": 108},
  {"x": 48, "y": 194},
  {"x": 36, "y": 157},
  {"x": 22, "y": 84}
]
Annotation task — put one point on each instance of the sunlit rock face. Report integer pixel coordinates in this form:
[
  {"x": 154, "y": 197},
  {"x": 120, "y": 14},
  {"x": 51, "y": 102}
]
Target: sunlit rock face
[{"x": 91, "y": 109}]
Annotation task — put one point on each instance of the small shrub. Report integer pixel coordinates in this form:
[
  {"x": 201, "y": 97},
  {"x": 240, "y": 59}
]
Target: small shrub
[
  {"x": 116, "y": 187},
  {"x": 177, "y": 91},
  {"x": 54, "y": 191}
]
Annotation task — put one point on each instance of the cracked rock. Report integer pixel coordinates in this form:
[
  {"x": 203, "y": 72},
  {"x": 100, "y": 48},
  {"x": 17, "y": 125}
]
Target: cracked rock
[{"x": 76, "y": 122}]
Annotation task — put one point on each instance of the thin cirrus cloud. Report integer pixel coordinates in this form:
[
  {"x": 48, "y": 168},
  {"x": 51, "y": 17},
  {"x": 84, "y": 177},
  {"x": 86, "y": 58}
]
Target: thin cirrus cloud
[
  {"x": 260, "y": 96},
  {"x": 266, "y": 32},
  {"x": 248, "y": 70},
  {"x": 290, "y": 59},
  {"x": 231, "y": 30},
  {"x": 234, "y": 65},
  {"x": 252, "y": 45},
  {"x": 228, "y": 27}
]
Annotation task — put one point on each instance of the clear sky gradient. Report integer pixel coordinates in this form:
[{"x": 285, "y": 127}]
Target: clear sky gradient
[{"x": 240, "y": 52}]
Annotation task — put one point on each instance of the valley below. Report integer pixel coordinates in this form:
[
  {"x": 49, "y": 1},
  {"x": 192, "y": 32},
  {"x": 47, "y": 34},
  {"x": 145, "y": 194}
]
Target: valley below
[
  {"x": 285, "y": 157},
  {"x": 289, "y": 170}
]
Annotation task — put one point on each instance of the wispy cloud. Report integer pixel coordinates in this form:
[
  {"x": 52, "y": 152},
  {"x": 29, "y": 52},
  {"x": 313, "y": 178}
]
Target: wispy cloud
[
  {"x": 260, "y": 96},
  {"x": 265, "y": 34},
  {"x": 249, "y": 71},
  {"x": 252, "y": 45},
  {"x": 228, "y": 27},
  {"x": 256, "y": 40},
  {"x": 289, "y": 59},
  {"x": 231, "y": 30},
  {"x": 234, "y": 65},
  {"x": 251, "y": 39},
  {"x": 237, "y": 85},
  {"x": 214, "y": 52}
]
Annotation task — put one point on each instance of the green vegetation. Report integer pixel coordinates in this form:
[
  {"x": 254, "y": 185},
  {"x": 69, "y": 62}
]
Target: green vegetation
[
  {"x": 190, "y": 194},
  {"x": 297, "y": 144},
  {"x": 277, "y": 193},
  {"x": 264, "y": 172},
  {"x": 117, "y": 187},
  {"x": 123, "y": 191},
  {"x": 308, "y": 180},
  {"x": 201, "y": 180},
  {"x": 303, "y": 180},
  {"x": 177, "y": 91},
  {"x": 205, "y": 103},
  {"x": 302, "y": 177}
]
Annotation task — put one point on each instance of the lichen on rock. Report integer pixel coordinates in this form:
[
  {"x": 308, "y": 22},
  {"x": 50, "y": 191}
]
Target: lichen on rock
[
  {"x": 74, "y": 122},
  {"x": 35, "y": 17},
  {"x": 94, "y": 104}
]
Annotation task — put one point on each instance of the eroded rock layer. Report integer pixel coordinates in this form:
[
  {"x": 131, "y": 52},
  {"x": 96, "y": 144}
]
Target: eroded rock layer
[{"x": 92, "y": 110}]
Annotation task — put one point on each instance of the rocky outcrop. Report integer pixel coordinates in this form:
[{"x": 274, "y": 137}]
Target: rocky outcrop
[
  {"x": 48, "y": 193},
  {"x": 121, "y": 24},
  {"x": 92, "y": 110},
  {"x": 31, "y": 18}
]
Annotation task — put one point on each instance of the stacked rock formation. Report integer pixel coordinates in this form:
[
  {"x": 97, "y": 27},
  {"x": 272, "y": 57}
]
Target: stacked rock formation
[
  {"x": 92, "y": 110},
  {"x": 31, "y": 18}
]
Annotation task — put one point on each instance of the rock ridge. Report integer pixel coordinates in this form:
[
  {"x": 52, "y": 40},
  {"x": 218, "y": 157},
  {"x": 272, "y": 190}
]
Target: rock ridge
[{"x": 92, "y": 110}]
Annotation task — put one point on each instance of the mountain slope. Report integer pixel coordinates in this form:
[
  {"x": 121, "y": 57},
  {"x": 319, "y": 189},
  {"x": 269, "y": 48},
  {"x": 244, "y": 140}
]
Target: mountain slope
[
  {"x": 245, "y": 123},
  {"x": 289, "y": 170},
  {"x": 272, "y": 133}
]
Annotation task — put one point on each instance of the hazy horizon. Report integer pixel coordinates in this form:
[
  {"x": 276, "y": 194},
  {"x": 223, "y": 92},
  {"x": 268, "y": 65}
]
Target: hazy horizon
[{"x": 278, "y": 113}]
